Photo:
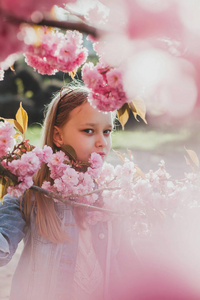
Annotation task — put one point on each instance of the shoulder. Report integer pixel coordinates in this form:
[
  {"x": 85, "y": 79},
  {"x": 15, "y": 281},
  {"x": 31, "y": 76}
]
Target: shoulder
[
  {"x": 9, "y": 201},
  {"x": 11, "y": 206}
]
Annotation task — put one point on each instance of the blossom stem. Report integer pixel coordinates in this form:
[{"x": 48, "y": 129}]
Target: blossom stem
[{"x": 7, "y": 173}]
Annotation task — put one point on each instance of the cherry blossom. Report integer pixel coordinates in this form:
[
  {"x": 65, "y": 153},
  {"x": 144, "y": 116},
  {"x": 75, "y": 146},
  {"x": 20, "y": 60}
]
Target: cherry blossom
[
  {"x": 19, "y": 189},
  {"x": 107, "y": 93},
  {"x": 69, "y": 181},
  {"x": 95, "y": 160},
  {"x": 7, "y": 141},
  {"x": 44, "y": 154},
  {"x": 56, "y": 51},
  {"x": 25, "y": 167}
]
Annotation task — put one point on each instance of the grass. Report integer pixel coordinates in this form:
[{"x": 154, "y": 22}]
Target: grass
[
  {"x": 149, "y": 139},
  {"x": 33, "y": 134}
]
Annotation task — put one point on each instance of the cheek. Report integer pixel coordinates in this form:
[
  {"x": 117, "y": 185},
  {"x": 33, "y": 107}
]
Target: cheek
[{"x": 109, "y": 145}]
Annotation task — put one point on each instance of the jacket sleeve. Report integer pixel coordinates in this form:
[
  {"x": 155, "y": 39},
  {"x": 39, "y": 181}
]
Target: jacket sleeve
[{"x": 12, "y": 227}]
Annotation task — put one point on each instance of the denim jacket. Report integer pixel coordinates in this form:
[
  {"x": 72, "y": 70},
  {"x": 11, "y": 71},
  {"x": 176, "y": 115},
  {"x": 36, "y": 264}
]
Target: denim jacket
[{"x": 45, "y": 270}]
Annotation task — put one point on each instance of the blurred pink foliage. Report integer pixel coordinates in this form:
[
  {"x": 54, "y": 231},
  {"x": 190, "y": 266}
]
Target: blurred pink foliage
[
  {"x": 27, "y": 8},
  {"x": 153, "y": 45},
  {"x": 157, "y": 51}
]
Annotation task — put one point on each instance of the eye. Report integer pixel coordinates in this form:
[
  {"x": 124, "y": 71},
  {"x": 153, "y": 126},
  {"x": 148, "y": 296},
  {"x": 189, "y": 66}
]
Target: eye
[
  {"x": 88, "y": 130},
  {"x": 107, "y": 131}
]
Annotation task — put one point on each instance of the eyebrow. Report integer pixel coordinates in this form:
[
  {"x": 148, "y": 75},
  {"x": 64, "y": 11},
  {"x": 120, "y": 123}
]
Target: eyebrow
[{"x": 94, "y": 124}]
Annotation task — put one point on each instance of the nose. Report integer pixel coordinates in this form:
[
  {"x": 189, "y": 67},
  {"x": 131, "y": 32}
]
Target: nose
[{"x": 101, "y": 141}]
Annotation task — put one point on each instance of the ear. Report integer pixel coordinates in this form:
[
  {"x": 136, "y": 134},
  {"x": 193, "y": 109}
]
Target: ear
[{"x": 57, "y": 136}]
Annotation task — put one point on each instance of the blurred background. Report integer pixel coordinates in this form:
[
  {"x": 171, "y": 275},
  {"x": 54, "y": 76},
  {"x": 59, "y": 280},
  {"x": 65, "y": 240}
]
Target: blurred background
[{"x": 163, "y": 138}]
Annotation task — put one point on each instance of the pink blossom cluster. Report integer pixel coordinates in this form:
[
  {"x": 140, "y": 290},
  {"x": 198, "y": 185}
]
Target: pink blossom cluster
[
  {"x": 68, "y": 181},
  {"x": 107, "y": 93},
  {"x": 144, "y": 200},
  {"x": 25, "y": 167},
  {"x": 57, "y": 52},
  {"x": 27, "y": 8},
  {"x": 7, "y": 140}
]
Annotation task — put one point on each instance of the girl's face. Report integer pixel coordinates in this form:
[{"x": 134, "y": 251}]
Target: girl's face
[{"x": 87, "y": 130}]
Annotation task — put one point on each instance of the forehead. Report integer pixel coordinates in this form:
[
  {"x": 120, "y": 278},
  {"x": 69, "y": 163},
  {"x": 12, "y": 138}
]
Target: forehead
[{"x": 85, "y": 113}]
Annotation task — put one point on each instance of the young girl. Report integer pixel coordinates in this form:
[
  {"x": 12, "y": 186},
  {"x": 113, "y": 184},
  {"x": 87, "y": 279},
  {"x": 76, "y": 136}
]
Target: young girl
[{"x": 63, "y": 257}]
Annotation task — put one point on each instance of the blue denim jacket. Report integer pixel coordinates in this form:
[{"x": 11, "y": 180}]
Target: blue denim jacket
[{"x": 45, "y": 270}]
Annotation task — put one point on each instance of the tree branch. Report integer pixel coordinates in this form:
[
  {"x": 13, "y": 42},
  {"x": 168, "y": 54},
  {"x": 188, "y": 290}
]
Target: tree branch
[
  {"x": 80, "y": 26},
  {"x": 66, "y": 199},
  {"x": 63, "y": 198}
]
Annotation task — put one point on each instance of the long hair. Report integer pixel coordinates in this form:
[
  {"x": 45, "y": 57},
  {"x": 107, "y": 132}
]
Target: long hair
[{"x": 57, "y": 114}]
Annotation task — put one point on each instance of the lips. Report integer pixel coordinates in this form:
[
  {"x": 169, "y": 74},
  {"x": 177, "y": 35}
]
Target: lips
[{"x": 101, "y": 153}]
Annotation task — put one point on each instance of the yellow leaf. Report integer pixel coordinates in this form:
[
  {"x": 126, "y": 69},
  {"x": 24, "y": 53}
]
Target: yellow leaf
[
  {"x": 38, "y": 34},
  {"x": 11, "y": 121},
  {"x": 162, "y": 212},
  {"x": 73, "y": 73},
  {"x": 139, "y": 172},
  {"x": 123, "y": 114},
  {"x": 130, "y": 155},
  {"x": 1, "y": 189},
  {"x": 53, "y": 12},
  {"x": 18, "y": 126},
  {"x": 138, "y": 108},
  {"x": 193, "y": 156},
  {"x": 189, "y": 163},
  {"x": 22, "y": 119},
  {"x": 17, "y": 136},
  {"x": 13, "y": 69},
  {"x": 120, "y": 155}
]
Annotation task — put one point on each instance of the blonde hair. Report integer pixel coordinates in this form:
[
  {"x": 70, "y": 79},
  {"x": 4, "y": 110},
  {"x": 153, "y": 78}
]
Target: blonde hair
[{"x": 57, "y": 114}]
